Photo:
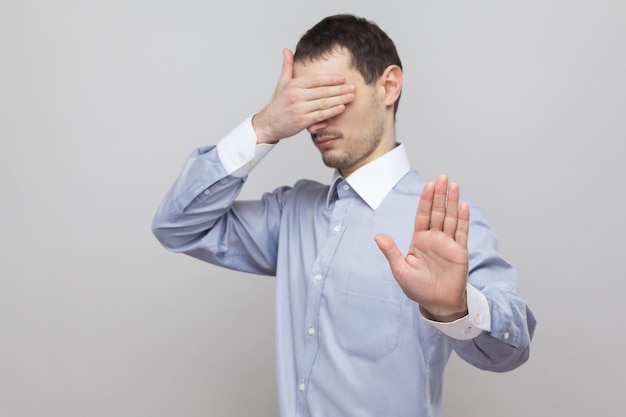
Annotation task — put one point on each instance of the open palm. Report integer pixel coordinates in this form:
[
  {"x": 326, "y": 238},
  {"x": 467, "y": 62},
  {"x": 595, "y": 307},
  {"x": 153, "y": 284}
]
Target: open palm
[{"x": 434, "y": 271}]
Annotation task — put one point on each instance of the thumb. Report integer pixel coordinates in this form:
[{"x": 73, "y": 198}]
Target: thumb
[
  {"x": 389, "y": 248},
  {"x": 286, "y": 72}
]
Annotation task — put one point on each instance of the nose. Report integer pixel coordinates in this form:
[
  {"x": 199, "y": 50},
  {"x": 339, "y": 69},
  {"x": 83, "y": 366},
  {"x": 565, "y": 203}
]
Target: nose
[{"x": 313, "y": 129}]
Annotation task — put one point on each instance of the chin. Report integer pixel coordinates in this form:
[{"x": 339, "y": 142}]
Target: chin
[{"x": 331, "y": 162}]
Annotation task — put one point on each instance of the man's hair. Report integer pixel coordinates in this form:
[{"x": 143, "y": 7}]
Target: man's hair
[{"x": 371, "y": 50}]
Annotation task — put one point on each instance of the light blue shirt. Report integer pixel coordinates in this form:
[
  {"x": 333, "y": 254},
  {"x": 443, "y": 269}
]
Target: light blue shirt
[{"x": 348, "y": 341}]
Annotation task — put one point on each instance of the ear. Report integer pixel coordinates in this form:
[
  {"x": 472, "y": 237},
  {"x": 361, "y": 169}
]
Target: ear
[{"x": 391, "y": 82}]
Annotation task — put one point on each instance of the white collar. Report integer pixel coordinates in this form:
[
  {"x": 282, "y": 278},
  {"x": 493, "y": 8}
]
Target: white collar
[{"x": 373, "y": 181}]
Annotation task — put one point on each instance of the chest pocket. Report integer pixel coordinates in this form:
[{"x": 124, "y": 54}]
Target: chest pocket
[{"x": 369, "y": 317}]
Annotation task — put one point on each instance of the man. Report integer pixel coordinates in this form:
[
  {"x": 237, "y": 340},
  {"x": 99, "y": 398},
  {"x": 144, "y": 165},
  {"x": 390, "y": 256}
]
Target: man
[{"x": 362, "y": 329}]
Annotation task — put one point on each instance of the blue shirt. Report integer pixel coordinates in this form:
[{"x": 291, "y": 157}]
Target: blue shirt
[{"x": 348, "y": 341}]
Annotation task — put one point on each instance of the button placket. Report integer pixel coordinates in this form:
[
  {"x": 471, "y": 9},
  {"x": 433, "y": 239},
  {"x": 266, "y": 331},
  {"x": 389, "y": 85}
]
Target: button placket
[{"x": 336, "y": 226}]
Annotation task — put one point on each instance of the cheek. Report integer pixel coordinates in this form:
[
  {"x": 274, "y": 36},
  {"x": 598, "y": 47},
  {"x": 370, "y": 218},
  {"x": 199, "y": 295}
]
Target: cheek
[{"x": 356, "y": 111}]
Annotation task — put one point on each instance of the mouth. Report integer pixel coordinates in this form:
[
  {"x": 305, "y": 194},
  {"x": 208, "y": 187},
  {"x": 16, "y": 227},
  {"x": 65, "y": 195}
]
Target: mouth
[{"x": 325, "y": 141}]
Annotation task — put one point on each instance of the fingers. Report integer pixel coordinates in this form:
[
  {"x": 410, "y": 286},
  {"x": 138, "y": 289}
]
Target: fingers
[
  {"x": 322, "y": 103},
  {"x": 439, "y": 210},
  {"x": 320, "y": 88},
  {"x": 286, "y": 72},
  {"x": 322, "y": 97},
  {"x": 389, "y": 248},
  {"x": 424, "y": 208},
  {"x": 451, "y": 210},
  {"x": 316, "y": 98},
  {"x": 300, "y": 102},
  {"x": 462, "y": 229},
  {"x": 319, "y": 115},
  {"x": 309, "y": 99}
]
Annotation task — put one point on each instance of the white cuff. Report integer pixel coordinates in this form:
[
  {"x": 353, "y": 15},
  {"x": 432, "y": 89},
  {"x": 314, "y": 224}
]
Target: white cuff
[
  {"x": 239, "y": 152},
  {"x": 477, "y": 320}
]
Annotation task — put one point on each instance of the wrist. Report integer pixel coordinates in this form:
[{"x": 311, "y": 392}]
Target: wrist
[
  {"x": 260, "y": 129},
  {"x": 446, "y": 315}
]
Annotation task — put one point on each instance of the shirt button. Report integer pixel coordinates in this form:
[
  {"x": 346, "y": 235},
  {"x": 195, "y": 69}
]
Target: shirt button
[
  {"x": 506, "y": 335},
  {"x": 301, "y": 387},
  {"x": 337, "y": 228},
  {"x": 467, "y": 329},
  {"x": 318, "y": 277},
  {"x": 346, "y": 187},
  {"x": 207, "y": 192},
  {"x": 311, "y": 331},
  {"x": 477, "y": 319}
]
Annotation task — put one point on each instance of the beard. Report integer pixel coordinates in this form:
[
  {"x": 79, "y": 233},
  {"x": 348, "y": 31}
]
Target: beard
[
  {"x": 352, "y": 154},
  {"x": 354, "y": 149}
]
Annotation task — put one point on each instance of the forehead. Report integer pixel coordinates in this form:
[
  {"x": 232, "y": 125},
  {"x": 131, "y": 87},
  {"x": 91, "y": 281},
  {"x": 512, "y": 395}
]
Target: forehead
[{"x": 334, "y": 62}]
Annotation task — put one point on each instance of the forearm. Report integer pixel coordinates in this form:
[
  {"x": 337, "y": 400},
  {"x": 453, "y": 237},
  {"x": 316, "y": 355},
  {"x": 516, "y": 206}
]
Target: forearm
[
  {"x": 508, "y": 323},
  {"x": 205, "y": 192},
  {"x": 201, "y": 195}
]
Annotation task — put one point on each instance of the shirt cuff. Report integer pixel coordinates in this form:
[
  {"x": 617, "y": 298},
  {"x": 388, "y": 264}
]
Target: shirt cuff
[
  {"x": 477, "y": 320},
  {"x": 238, "y": 151}
]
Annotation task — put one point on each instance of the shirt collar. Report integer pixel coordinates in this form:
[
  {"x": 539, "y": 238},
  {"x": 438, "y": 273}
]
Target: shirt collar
[{"x": 373, "y": 181}]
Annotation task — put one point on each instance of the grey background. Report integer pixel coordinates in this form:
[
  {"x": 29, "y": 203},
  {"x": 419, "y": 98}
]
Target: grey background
[{"x": 522, "y": 102}]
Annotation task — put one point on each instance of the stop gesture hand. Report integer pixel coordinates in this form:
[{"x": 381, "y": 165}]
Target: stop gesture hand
[{"x": 434, "y": 271}]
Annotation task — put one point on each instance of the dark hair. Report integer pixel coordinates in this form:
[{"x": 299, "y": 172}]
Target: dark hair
[{"x": 371, "y": 50}]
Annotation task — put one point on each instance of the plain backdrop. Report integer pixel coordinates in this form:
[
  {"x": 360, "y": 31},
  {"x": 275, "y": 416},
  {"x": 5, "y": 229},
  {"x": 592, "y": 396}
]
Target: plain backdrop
[{"x": 522, "y": 102}]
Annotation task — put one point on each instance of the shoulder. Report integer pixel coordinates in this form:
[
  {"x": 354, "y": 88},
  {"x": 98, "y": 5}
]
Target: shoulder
[
  {"x": 310, "y": 186},
  {"x": 411, "y": 183}
]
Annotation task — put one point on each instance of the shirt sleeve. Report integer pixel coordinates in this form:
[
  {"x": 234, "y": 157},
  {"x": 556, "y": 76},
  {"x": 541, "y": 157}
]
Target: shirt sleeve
[
  {"x": 506, "y": 344},
  {"x": 474, "y": 323},
  {"x": 238, "y": 151},
  {"x": 200, "y": 216}
]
